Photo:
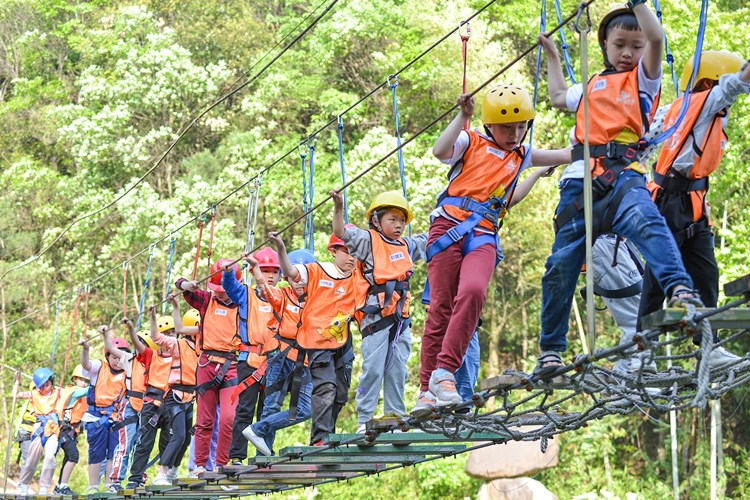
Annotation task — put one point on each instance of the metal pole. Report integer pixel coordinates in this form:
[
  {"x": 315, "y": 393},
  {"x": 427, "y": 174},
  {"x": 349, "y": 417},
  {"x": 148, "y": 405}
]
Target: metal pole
[{"x": 673, "y": 435}]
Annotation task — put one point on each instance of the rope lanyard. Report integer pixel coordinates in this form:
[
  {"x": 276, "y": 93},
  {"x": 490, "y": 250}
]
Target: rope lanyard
[
  {"x": 583, "y": 27},
  {"x": 54, "y": 338},
  {"x": 565, "y": 46},
  {"x": 145, "y": 287},
  {"x": 303, "y": 157},
  {"x": 72, "y": 333},
  {"x": 252, "y": 219},
  {"x": 666, "y": 134},
  {"x": 210, "y": 248},
  {"x": 464, "y": 42},
  {"x": 172, "y": 241},
  {"x": 201, "y": 223},
  {"x": 340, "y": 128},
  {"x": 542, "y": 29},
  {"x": 124, "y": 295},
  {"x": 311, "y": 146},
  {"x": 667, "y": 52},
  {"x": 393, "y": 83}
]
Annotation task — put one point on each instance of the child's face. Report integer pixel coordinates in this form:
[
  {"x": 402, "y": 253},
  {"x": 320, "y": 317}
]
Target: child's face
[
  {"x": 297, "y": 288},
  {"x": 46, "y": 387},
  {"x": 342, "y": 259},
  {"x": 80, "y": 382},
  {"x": 508, "y": 135},
  {"x": 392, "y": 223},
  {"x": 624, "y": 48},
  {"x": 222, "y": 296},
  {"x": 271, "y": 274}
]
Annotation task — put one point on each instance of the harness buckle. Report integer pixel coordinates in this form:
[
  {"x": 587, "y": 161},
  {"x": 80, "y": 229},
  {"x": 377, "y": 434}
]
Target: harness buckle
[{"x": 453, "y": 235}]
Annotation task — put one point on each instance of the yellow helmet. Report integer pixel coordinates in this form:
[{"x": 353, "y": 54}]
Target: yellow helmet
[
  {"x": 191, "y": 318},
  {"x": 390, "y": 199},
  {"x": 507, "y": 104},
  {"x": 146, "y": 339},
  {"x": 617, "y": 9},
  {"x": 714, "y": 64},
  {"x": 165, "y": 323},
  {"x": 78, "y": 373}
]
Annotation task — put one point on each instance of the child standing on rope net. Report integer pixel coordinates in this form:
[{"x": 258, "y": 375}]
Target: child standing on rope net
[
  {"x": 71, "y": 409},
  {"x": 287, "y": 306},
  {"x": 217, "y": 366},
  {"x": 681, "y": 173},
  {"x": 463, "y": 246},
  {"x": 45, "y": 399},
  {"x": 256, "y": 339},
  {"x": 178, "y": 401},
  {"x": 106, "y": 393},
  {"x": 385, "y": 258},
  {"x": 334, "y": 290},
  {"x": 622, "y": 101}
]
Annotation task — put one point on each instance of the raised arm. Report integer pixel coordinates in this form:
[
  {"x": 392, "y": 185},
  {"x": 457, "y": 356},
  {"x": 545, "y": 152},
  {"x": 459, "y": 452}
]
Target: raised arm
[
  {"x": 443, "y": 148},
  {"x": 179, "y": 328},
  {"x": 286, "y": 266},
  {"x": 339, "y": 227},
  {"x": 137, "y": 344},
  {"x": 651, "y": 27},
  {"x": 524, "y": 187},
  {"x": 556, "y": 84},
  {"x": 84, "y": 343},
  {"x": 235, "y": 290}
]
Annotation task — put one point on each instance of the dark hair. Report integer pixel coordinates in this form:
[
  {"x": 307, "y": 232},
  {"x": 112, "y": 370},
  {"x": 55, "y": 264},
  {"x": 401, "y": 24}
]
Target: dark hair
[{"x": 627, "y": 22}]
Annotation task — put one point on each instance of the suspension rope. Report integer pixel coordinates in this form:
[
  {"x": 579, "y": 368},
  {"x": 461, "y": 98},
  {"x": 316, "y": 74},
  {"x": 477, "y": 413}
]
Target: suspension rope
[
  {"x": 393, "y": 83},
  {"x": 340, "y": 128},
  {"x": 542, "y": 29},
  {"x": 172, "y": 241},
  {"x": 54, "y": 337},
  {"x": 464, "y": 42},
  {"x": 565, "y": 47},
  {"x": 303, "y": 151},
  {"x": 311, "y": 192},
  {"x": 145, "y": 287},
  {"x": 72, "y": 334},
  {"x": 210, "y": 248},
  {"x": 667, "y": 52},
  {"x": 124, "y": 295},
  {"x": 252, "y": 220}
]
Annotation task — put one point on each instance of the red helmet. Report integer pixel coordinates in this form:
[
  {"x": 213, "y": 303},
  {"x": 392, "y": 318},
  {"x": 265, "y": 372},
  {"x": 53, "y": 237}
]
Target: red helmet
[
  {"x": 119, "y": 343},
  {"x": 267, "y": 258},
  {"x": 335, "y": 241},
  {"x": 215, "y": 282}
]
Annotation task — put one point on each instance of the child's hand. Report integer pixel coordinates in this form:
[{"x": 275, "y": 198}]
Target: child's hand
[
  {"x": 152, "y": 311},
  {"x": 84, "y": 343},
  {"x": 466, "y": 104},
  {"x": 248, "y": 257},
  {"x": 18, "y": 377},
  {"x": 547, "y": 44},
  {"x": 550, "y": 171},
  {"x": 102, "y": 330},
  {"x": 276, "y": 239},
  {"x": 189, "y": 286},
  {"x": 126, "y": 322},
  {"x": 173, "y": 299},
  {"x": 338, "y": 198}
]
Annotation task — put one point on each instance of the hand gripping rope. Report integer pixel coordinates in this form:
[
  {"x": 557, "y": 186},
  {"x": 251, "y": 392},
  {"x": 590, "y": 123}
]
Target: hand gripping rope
[{"x": 145, "y": 287}]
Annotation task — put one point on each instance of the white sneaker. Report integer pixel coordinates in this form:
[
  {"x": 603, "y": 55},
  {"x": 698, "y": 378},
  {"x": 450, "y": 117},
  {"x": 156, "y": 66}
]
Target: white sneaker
[
  {"x": 196, "y": 473},
  {"x": 721, "y": 357},
  {"x": 361, "y": 428},
  {"x": 172, "y": 474},
  {"x": 444, "y": 389},
  {"x": 161, "y": 480},
  {"x": 113, "y": 488},
  {"x": 92, "y": 490},
  {"x": 632, "y": 364},
  {"x": 256, "y": 440},
  {"x": 24, "y": 491}
]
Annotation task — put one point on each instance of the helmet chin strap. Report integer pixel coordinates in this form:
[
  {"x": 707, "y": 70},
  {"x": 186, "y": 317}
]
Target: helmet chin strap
[{"x": 489, "y": 133}]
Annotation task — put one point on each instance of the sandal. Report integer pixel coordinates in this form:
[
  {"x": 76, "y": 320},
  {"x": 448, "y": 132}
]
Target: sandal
[
  {"x": 685, "y": 296},
  {"x": 549, "y": 361}
]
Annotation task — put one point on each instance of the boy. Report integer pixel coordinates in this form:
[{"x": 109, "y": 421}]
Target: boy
[
  {"x": 622, "y": 100},
  {"x": 334, "y": 290},
  {"x": 385, "y": 259},
  {"x": 71, "y": 409},
  {"x": 681, "y": 177},
  {"x": 463, "y": 247},
  {"x": 255, "y": 313}
]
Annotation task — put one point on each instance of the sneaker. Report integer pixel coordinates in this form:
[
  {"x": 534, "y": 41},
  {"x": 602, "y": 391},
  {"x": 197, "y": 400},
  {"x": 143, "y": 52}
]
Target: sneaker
[
  {"x": 24, "y": 491},
  {"x": 113, "y": 488},
  {"x": 63, "y": 490},
  {"x": 444, "y": 389},
  {"x": 361, "y": 428},
  {"x": 319, "y": 443},
  {"x": 229, "y": 487},
  {"x": 685, "y": 296},
  {"x": 196, "y": 473},
  {"x": 235, "y": 462},
  {"x": 161, "y": 480},
  {"x": 721, "y": 357},
  {"x": 133, "y": 485},
  {"x": 256, "y": 440},
  {"x": 425, "y": 401},
  {"x": 172, "y": 474},
  {"x": 92, "y": 490},
  {"x": 632, "y": 364}
]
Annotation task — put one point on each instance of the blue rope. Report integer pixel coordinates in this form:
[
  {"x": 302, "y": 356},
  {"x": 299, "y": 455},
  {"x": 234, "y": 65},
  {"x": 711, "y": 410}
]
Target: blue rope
[
  {"x": 566, "y": 55},
  {"x": 145, "y": 287},
  {"x": 54, "y": 339},
  {"x": 310, "y": 202},
  {"x": 670, "y": 57},
  {"x": 343, "y": 171},
  {"x": 393, "y": 84},
  {"x": 666, "y": 134},
  {"x": 542, "y": 29},
  {"x": 302, "y": 156},
  {"x": 169, "y": 275}
]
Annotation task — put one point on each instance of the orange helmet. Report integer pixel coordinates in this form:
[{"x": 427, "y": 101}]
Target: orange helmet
[
  {"x": 215, "y": 282},
  {"x": 334, "y": 241}
]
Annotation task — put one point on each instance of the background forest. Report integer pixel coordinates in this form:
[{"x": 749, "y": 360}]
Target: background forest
[{"x": 92, "y": 93}]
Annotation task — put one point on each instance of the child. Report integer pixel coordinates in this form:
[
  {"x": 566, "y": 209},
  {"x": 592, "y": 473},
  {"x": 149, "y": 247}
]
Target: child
[
  {"x": 621, "y": 102},
  {"x": 334, "y": 290},
  {"x": 287, "y": 306},
  {"x": 217, "y": 366},
  {"x": 681, "y": 177},
  {"x": 385, "y": 259},
  {"x": 178, "y": 403},
  {"x": 106, "y": 391},
  {"x": 255, "y": 313},
  {"x": 44, "y": 402},
  {"x": 463, "y": 246},
  {"x": 158, "y": 363},
  {"x": 71, "y": 409}
]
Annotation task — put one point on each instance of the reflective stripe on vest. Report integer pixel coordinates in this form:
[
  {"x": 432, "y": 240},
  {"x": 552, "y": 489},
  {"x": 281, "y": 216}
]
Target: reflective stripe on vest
[
  {"x": 220, "y": 327},
  {"x": 484, "y": 171}
]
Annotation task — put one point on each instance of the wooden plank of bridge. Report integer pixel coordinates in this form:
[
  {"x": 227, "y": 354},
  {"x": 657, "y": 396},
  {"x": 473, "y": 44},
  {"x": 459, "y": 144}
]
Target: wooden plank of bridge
[
  {"x": 406, "y": 438},
  {"x": 670, "y": 318},
  {"x": 501, "y": 382},
  {"x": 379, "y": 450},
  {"x": 287, "y": 468},
  {"x": 740, "y": 286},
  {"x": 319, "y": 459}
]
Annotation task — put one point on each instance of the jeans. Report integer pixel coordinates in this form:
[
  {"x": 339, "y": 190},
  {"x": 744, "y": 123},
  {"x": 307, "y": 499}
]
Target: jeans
[
  {"x": 249, "y": 404},
  {"x": 637, "y": 219}
]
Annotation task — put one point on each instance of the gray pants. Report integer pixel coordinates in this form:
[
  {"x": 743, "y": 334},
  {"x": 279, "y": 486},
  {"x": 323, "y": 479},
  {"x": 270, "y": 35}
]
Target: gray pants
[
  {"x": 36, "y": 453},
  {"x": 375, "y": 353}
]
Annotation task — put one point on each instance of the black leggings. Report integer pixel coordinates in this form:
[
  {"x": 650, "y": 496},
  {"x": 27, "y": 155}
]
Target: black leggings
[
  {"x": 180, "y": 422},
  {"x": 69, "y": 444}
]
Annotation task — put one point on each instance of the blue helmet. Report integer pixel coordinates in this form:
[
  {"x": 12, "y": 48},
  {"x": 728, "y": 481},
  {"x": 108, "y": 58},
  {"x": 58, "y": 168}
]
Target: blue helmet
[
  {"x": 41, "y": 376},
  {"x": 302, "y": 256}
]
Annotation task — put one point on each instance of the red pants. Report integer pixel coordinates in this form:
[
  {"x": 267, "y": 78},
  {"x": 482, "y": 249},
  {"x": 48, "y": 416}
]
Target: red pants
[
  {"x": 206, "y": 414},
  {"x": 458, "y": 288}
]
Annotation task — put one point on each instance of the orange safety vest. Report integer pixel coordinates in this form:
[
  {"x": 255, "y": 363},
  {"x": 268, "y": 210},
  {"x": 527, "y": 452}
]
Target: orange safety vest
[
  {"x": 220, "y": 327},
  {"x": 184, "y": 368},
  {"x": 71, "y": 413},
  {"x": 707, "y": 157},
  {"x": 109, "y": 387},
  {"x": 157, "y": 376},
  {"x": 330, "y": 305},
  {"x": 391, "y": 262},
  {"x": 137, "y": 385},
  {"x": 286, "y": 321},
  {"x": 45, "y": 405},
  {"x": 484, "y": 171},
  {"x": 259, "y": 336},
  {"x": 615, "y": 109}
]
